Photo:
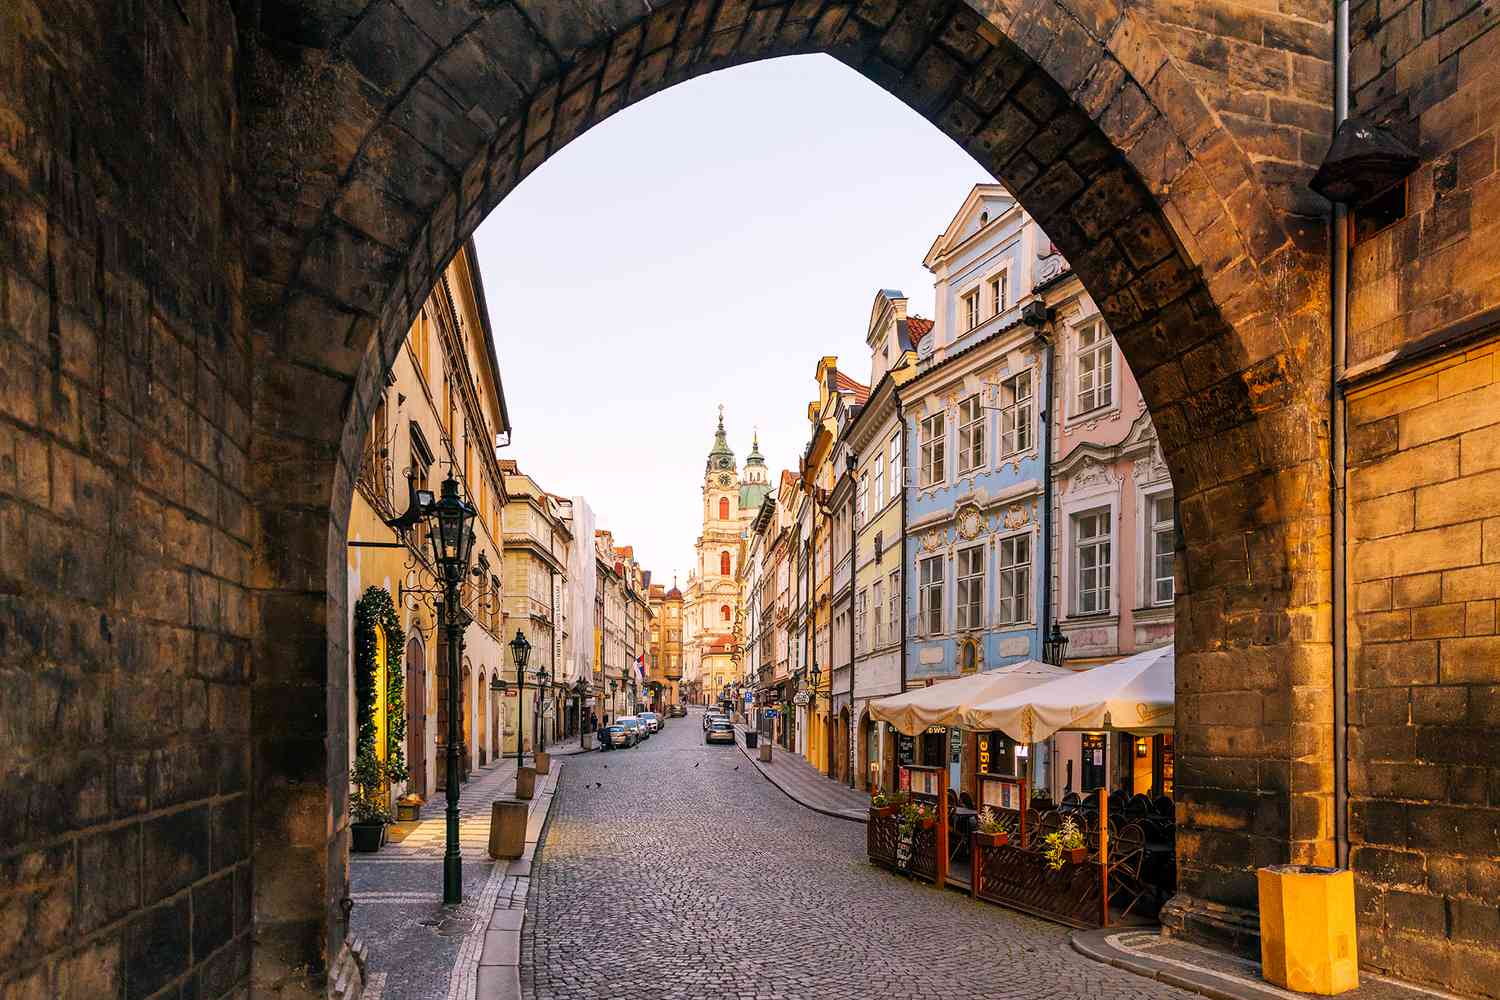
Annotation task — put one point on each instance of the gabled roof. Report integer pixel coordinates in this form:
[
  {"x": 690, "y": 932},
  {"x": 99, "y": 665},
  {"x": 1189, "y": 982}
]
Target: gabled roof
[
  {"x": 962, "y": 227},
  {"x": 843, "y": 383},
  {"x": 917, "y": 327}
]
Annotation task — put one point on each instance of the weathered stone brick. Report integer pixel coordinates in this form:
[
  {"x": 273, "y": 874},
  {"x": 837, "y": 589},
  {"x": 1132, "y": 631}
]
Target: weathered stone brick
[
  {"x": 1417, "y": 552},
  {"x": 1411, "y": 467},
  {"x": 1398, "y": 663},
  {"x": 1471, "y": 660}
]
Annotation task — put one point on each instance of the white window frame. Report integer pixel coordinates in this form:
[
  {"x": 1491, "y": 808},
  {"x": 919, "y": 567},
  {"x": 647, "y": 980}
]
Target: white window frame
[
  {"x": 862, "y": 503},
  {"x": 1150, "y": 527},
  {"x": 1098, "y": 355},
  {"x": 970, "y": 563},
  {"x": 999, "y": 292},
  {"x": 893, "y": 595},
  {"x": 1018, "y": 417},
  {"x": 861, "y": 607},
  {"x": 1009, "y": 611},
  {"x": 877, "y": 606},
  {"x": 934, "y": 433},
  {"x": 896, "y": 482},
  {"x": 879, "y": 481},
  {"x": 970, "y": 435},
  {"x": 969, "y": 302},
  {"x": 930, "y": 609},
  {"x": 1104, "y": 572}
]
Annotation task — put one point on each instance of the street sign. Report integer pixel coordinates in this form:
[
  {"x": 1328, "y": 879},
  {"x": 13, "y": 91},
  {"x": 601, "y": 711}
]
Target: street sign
[{"x": 770, "y": 713}]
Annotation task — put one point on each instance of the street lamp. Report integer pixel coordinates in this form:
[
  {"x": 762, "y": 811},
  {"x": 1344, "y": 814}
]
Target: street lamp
[
  {"x": 1056, "y": 649},
  {"x": 452, "y": 544},
  {"x": 520, "y": 652}
]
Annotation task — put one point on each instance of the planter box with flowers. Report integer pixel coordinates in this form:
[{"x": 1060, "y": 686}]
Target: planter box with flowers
[
  {"x": 883, "y": 805},
  {"x": 993, "y": 829}
]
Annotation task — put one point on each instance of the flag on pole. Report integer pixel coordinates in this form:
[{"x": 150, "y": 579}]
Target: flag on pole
[{"x": 640, "y": 674}]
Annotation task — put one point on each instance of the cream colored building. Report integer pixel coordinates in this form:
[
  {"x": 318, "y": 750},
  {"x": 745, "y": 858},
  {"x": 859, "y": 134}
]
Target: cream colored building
[{"x": 443, "y": 408}]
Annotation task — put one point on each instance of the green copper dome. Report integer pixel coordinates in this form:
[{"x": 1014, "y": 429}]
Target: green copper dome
[{"x": 720, "y": 457}]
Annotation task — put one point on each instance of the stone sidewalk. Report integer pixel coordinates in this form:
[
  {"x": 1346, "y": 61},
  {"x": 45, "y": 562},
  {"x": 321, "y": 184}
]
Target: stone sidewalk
[
  {"x": 808, "y": 787},
  {"x": 419, "y": 949},
  {"x": 1213, "y": 973}
]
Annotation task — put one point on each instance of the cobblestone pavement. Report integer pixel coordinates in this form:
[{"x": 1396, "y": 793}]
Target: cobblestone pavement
[{"x": 674, "y": 870}]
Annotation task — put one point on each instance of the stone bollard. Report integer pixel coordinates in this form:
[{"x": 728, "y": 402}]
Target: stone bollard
[
  {"x": 765, "y": 752},
  {"x": 543, "y": 762},
  {"x": 588, "y": 742},
  {"x": 525, "y": 782},
  {"x": 507, "y": 829}
]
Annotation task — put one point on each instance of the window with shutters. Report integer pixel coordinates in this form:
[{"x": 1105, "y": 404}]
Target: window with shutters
[
  {"x": 877, "y": 608},
  {"x": 723, "y": 508}
]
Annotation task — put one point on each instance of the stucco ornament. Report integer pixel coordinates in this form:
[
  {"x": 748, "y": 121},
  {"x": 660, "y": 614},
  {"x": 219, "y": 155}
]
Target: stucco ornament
[
  {"x": 932, "y": 540},
  {"x": 1091, "y": 473},
  {"x": 970, "y": 523},
  {"x": 1017, "y": 517}
]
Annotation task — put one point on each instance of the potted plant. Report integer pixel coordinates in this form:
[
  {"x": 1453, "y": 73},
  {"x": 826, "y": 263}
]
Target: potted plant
[
  {"x": 993, "y": 829},
  {"x": 1065, "y": 844},
  {"x": 883, "y": 804},
  {"x": 914, "y": 815},
  {"x": 368, "y": 817}
]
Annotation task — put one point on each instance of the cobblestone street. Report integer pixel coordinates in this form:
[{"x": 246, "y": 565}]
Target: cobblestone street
[{"x": 675, "y": 869}]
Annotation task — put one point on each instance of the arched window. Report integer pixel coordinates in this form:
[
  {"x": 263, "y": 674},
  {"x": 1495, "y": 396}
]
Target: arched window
[
  {"x": 724, "y": 612},
  {"x": 723, "y": 508},
  {"x": 724, "y": 563}
]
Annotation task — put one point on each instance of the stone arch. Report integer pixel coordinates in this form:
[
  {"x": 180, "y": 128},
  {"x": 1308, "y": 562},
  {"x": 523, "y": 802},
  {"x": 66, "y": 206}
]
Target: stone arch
[{"x": 309, "y": 170}]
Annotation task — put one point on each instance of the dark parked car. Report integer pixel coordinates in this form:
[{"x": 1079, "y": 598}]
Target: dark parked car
[
  {"x": 677, "y": 711},
  {"x": 615, "y": 737},
  {"x": 721, "y": 730}
]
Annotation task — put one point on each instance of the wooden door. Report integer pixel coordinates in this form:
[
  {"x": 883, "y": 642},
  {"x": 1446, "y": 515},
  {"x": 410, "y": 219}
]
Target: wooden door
[{"x": 416, "y": 718}]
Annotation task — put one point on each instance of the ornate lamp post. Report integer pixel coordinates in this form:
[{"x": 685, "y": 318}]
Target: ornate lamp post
[
  {"x": 452, "y": 543},
  {"x": 614, "y": 685},
  {"x": 520, "y": 652}
]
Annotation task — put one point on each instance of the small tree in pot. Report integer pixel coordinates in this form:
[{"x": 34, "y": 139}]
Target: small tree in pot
[
  {"x": 1065, "y": 844},
  {"x": 367, "y": 813}
]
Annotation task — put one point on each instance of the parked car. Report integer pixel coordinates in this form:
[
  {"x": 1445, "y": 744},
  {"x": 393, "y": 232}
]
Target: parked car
[
  {"x": 677, "y": 711},
  {"x": 652, "y": 720},
  {"x": 712, "y": 716},
  {"x": 615, "y": 737},
  {"x": 721, "y": 730},
  {"x": 637, "y": 727}
]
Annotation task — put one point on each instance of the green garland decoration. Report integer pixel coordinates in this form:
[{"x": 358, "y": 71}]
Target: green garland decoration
[{"x": 376, "y": 608}]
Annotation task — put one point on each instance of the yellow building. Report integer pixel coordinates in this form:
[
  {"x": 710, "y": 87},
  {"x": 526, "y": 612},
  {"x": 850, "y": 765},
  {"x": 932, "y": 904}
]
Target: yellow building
[
  {"x": 838, "y": 396},
  {"x": 442, "y": 409}
]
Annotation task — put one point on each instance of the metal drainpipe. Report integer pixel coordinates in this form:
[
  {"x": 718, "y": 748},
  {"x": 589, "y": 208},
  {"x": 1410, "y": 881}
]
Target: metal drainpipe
[
  {"x": 901, "y": 422},
  {"x": 853, "y": 567},
  {"x": 1337, "y": 431},
  {"x": 1051, "y": 358}
]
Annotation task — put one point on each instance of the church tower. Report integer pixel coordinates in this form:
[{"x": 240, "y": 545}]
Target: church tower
[{"x": 716, "y": 600}]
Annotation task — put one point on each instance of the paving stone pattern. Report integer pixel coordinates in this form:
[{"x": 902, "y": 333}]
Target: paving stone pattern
[
  {"x": 674, "y": 870},
  {"x": 808, "y": 786}
]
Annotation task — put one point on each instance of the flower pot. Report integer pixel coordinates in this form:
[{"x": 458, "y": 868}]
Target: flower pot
[
  {"x": 881, "y": 812},
  {"x": 928, "y": 822},
  {"x": 1077, "y": 855},
  {"x": 992, "y": 839},
  {"x": 366, "y": 838}
]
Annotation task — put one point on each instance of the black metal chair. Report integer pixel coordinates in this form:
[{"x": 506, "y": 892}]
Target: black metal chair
[
  {"x": 1127, "y": 856},
  {"x": 967, "y": 800}
]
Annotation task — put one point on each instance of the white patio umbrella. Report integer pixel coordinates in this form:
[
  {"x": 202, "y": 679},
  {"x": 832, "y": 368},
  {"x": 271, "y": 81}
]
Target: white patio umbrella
[
  {"x": 1136, "y": 693},
  {"x": 944, "y": 703}
]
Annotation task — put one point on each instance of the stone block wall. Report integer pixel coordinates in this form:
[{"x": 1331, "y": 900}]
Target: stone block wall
[
  {"x": 1430, "y": 71},
  {"x": 1424, "y": 526},
  {"x": 126, "y": 532}
]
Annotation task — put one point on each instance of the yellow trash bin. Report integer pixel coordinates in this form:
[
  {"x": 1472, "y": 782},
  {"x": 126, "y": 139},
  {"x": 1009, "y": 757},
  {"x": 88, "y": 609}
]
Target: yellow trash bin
[{"x": 1307, "y": 940}]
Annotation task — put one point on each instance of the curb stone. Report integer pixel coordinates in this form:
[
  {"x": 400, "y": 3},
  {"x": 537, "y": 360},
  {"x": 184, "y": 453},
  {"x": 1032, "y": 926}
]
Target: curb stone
[{"x": 740, "y": 742}]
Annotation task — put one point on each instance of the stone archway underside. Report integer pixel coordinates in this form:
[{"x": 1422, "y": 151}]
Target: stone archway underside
[{"x": 247, "y": 206}]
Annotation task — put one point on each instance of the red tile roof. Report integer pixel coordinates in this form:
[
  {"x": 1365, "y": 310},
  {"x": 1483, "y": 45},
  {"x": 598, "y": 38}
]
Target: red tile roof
[
  {"x": 843, "y": 383},
  {"x": 918, "y": 327}
]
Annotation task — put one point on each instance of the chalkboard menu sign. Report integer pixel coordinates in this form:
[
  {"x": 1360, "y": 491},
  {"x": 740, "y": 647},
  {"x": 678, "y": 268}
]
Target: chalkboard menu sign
[
  {"x": 955, "y": 745},
  {"x": 905, "y": 750}
]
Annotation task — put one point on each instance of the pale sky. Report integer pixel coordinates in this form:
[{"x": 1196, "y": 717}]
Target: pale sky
[{"x": 705, "y": 246}]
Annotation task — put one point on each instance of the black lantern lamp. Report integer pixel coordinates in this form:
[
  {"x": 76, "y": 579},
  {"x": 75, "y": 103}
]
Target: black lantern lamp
[
  {"x": 520, "y": 650},
  {"x": 1056, "y": 646},
  {"x": 1363, "y": 161},
  {"x": 453, "y": 541}
]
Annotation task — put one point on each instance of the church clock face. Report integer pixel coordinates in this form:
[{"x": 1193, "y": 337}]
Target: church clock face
[{"x": 724, "y": 480}]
